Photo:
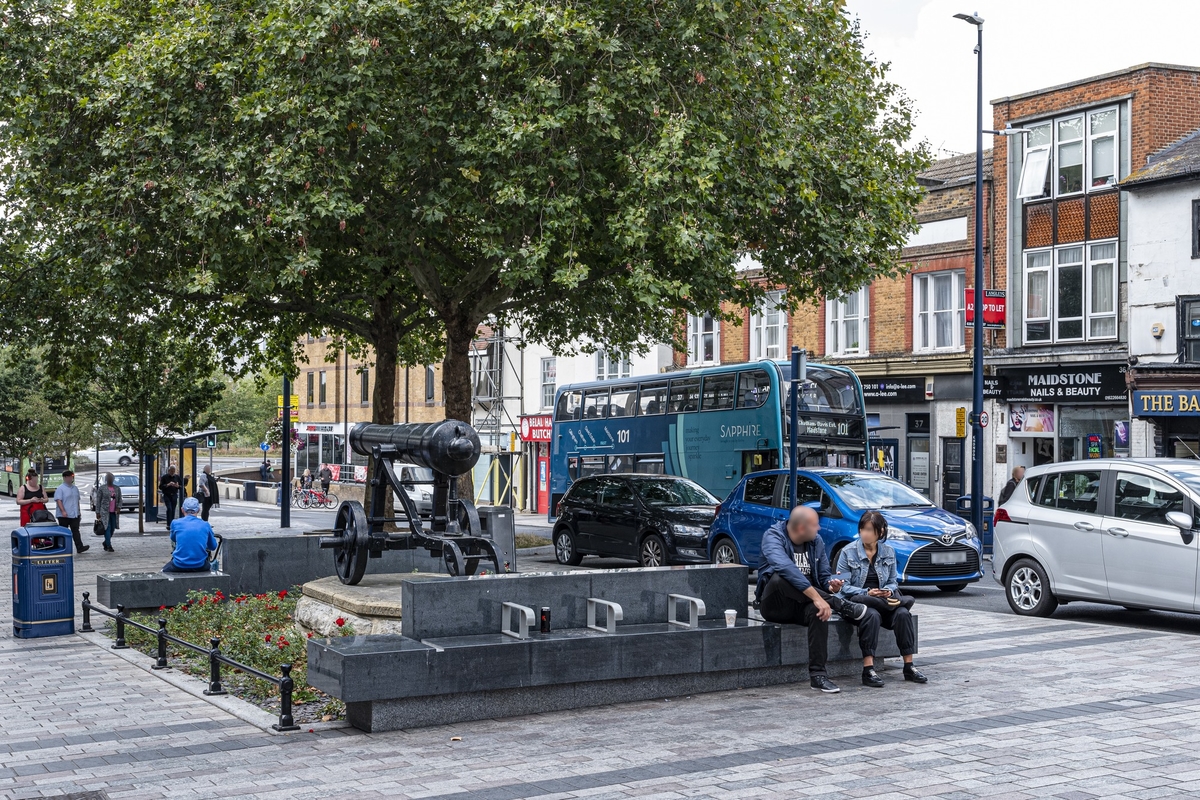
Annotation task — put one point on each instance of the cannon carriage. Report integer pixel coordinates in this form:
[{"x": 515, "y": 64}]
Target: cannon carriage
[{"x": 450, "y": 449}]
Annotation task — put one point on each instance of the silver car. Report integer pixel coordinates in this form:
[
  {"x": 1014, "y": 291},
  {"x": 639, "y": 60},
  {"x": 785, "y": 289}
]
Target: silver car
[
  {"x": 1117, "y": 531},
  {"x": 130, "y": 489}
]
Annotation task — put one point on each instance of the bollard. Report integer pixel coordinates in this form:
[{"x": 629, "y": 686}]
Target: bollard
[
  {"x": 286, "y": 685},
  {"x": 87, "y": 614},
  {"x": 161, "y": 663},
  {"x": 119, "y": 644},
  {"x": 214, "y": 668}
]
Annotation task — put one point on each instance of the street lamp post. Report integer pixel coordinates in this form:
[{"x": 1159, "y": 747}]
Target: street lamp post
[{"x": 977, "y": 323}]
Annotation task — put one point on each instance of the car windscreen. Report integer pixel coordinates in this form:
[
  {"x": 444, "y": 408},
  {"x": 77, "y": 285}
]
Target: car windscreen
[
  {"x": 674, "y": 493},
  {"x": 125, "y": 480},
  {"x": 1189, "y": 477},
  {"x": 862, "y": 492}
]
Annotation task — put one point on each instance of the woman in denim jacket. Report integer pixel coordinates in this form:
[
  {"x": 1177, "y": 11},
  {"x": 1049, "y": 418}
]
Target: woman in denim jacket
[{"x": 868, "y": 567}]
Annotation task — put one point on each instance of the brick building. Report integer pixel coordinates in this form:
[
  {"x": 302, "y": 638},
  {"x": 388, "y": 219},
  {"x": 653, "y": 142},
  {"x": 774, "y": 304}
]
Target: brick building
[{"x": 1061, "y": 251}]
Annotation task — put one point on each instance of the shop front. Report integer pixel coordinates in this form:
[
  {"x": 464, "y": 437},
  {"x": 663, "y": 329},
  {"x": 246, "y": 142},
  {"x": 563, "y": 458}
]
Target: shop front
[
  {"x": 535, "y": 443},
  {"x": 320, "y": 444},
  {"x": 1173, "y": 416},
  {"x": 1065, "y": 412}
]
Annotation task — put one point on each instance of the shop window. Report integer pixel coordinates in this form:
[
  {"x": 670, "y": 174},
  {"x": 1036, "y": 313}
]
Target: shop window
[
  {"x": 703, "y": 340},
  {"x": 1086, "y": 432},
  {"x": 768, "y": 328},
  {"x": 847, "y": 325},
  {"x": 549, "y": 376},
  {"x": 610, "y": 366},
  {"x": 938, "y": 302},
  {"x": 1189, "y": 329},
  {"x": 1071, "y": 294}
]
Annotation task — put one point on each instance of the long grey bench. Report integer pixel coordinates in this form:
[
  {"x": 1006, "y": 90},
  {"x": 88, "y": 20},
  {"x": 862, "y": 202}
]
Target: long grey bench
[
  {"x": 462, "y": 656},
  {"x": 141, "y": 591}
]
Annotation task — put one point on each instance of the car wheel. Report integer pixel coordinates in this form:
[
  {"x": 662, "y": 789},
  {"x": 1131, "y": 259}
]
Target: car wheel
[
  {"x": 653, "y": 551},
  {"x": 1028, "y": 590},
  {"x": 952, "y": 587},
  {"x": 834, "y": 556},
  {"x": 564, "y": 548},
  {"x": 125, "y": 461},
  {"x": 724, "y": 552}
]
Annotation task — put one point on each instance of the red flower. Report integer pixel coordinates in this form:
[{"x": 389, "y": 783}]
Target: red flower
[
  {"x": 339, "y": 622},
  {"x": 310, "y": 634},
  {"x": 162, "y": 608},
  {"x": 268, "y": 637},
  {"x": 282, "y": 595}
]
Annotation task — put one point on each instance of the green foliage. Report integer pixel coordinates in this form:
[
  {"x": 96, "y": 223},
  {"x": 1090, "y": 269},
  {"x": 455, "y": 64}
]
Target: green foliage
[{"x": 248, "y": 408}]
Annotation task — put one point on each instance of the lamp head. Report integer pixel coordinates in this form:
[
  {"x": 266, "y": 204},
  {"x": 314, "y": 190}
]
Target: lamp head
[{"x": 974, "y": 19}]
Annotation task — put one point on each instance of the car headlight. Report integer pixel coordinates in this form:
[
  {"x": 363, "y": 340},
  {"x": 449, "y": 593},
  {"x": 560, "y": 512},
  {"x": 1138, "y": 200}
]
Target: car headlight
[
  {"x": 972, "y": 532},
  {"x": 426, "y": 495},
  {"x": 688, "y": 530},
  {"x": 899, "y": 536}
]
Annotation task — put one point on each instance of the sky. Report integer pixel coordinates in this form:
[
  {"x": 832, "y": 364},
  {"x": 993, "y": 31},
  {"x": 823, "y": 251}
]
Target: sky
[{"x": 1028, "y": 45}]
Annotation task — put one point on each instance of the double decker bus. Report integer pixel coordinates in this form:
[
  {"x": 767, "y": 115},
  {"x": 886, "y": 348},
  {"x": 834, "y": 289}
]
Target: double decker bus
[{"x": 712, "y": 424}]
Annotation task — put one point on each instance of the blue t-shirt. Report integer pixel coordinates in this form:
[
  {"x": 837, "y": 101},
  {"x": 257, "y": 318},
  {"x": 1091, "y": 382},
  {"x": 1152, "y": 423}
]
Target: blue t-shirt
[{"x": 193, "y": 539}]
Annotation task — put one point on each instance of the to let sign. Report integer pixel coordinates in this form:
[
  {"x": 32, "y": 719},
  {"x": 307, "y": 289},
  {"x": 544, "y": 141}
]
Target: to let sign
[
  {"x": 536, "y": 428},
  {"x": 994, "y": 305}
]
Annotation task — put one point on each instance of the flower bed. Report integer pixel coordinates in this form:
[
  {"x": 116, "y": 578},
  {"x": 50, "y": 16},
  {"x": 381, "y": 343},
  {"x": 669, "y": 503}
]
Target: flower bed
[{"x": 256, "y": 630}]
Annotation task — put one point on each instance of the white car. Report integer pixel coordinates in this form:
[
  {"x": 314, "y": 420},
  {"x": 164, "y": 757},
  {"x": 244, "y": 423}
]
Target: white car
[
  {"x": 110, "y": 455},
  {"x": 1117, "y": 531},
  {"x": 130, "y": 489}
]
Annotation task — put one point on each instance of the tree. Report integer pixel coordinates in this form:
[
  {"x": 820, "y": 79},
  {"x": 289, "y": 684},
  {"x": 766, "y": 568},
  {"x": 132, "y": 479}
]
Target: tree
[
  {"x": 147, "y": 384},
  {"x": 248, "y": 408},
  {"x": 417, "y": 166}
]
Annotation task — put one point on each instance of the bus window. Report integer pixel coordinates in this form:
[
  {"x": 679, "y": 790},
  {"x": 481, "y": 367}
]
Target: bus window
[
  {"x": 568, "y": 406},
  {"x": 620, "y": 463},
  {"x": 753, "y": 388},
  {"x": 653, "y": 398},
  {"x": 623, "y": 402},
  {"x": 761, "y": 490},
  {"x": 718, "y": 392},
  {"x": 649, "y": 464},
  {"x": 591, "y": 465},
  {"x": 595, "y": 404},
  {"x": 685, "y": 396}
]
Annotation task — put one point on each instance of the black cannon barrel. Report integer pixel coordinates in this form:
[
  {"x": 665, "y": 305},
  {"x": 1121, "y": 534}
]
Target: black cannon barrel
[{"x": 450, "y": 447}]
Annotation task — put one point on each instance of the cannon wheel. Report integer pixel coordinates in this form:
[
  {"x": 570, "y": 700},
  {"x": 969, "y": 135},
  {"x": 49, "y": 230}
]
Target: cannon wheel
[
  {"x": 468, "y": 518},
  {"x": 350, "y": 556},
  {"x": 470, "y": 563}
]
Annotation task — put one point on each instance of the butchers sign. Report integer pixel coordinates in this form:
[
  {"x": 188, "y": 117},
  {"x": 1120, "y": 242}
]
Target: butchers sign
[{"x": 536, "y": 428}]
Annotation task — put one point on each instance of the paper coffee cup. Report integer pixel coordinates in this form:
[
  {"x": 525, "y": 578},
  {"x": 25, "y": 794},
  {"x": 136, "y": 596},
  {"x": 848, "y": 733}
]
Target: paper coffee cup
[{"x": 730, "y": 617}]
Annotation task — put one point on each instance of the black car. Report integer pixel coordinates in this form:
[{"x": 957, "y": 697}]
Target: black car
[{"x": 656, "y": 519}]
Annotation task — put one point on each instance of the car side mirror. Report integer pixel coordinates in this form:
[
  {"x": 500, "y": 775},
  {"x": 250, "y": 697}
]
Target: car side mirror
[{"x": 1180, "y": 520}]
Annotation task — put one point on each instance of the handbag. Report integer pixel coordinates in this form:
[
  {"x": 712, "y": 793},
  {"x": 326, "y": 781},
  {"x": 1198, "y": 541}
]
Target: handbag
[
  {"x": 882, "y": 604},
  {"x": 98, "y": 527}
]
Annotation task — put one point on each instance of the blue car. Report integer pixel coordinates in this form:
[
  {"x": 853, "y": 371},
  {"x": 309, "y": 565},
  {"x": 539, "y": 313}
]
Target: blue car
[{"x": 933, "y": 547}]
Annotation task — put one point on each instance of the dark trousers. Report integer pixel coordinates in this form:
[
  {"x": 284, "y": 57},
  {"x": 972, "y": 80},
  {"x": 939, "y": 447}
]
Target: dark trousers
[
  {"x": 73, "y": 524},
  {"x": 206, "y": 505},
  {"x": 171, "y": 501},
  {"x": 170, "y": 567},
  {"x": 325, "y": 487},
  {"x": 783, "y": 603},
  {"x": 896, "y": 619}
]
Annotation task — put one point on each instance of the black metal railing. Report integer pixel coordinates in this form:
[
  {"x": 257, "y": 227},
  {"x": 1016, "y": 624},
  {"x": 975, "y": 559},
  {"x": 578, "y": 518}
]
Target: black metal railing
[{"x": 215, "y": 658}]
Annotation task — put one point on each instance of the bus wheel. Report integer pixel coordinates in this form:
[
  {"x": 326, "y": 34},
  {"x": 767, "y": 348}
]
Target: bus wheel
[
  {"x": 564, "y": 548},
  {"x": 653, "y": 552},
  {"x": 724, "y": 552}
]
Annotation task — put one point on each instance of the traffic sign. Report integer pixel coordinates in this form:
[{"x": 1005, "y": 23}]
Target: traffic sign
[
  {"x": 264, "y": 447},
  {"x": 983, "y": 419}
]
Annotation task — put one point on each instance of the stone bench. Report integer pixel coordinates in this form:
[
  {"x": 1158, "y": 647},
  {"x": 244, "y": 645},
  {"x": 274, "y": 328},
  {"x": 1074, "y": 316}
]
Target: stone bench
[
  {"x": 459, "y": 658},
  {"x": 143, "y": 591}
]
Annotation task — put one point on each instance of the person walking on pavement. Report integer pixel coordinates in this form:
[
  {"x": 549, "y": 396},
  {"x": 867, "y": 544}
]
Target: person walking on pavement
[
  {"x": 66, "y": 499},
  {"x": 206, "y": 492},
  {"x": 326, "y": 476},
  {"x": 193, "y": 541},
  {"x": 169, "y": 485},
  {"x": 31, "y": 496},
  {"x": 264, "y": 471},
  {"x": 795, "y": 587},
  {"x": 870, "y": 564},
  {"x": 108, "y": 502},
  {"x": 1018, "y": 473}
]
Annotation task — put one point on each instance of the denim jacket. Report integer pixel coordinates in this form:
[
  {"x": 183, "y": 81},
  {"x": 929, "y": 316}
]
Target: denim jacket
[{"x": 853, "y": 564}]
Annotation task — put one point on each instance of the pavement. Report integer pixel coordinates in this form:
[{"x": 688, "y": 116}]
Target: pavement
[{"x": 1016, "y": 708}]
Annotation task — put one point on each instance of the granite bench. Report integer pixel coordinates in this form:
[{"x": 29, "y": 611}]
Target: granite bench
[
  {"x": 143, "y": 591},
  {"x": 470, "y": 648}
]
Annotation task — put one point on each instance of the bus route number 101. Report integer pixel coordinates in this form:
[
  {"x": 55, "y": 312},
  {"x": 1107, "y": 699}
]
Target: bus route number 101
[{"x": 623, "y": 437}]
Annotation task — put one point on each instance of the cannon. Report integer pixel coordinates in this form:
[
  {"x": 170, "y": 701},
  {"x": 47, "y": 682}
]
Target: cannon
[{"x": 449, "y": 448}]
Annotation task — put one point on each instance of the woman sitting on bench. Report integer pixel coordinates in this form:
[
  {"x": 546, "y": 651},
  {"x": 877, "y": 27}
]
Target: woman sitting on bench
[{"x": 193, "y": 540}]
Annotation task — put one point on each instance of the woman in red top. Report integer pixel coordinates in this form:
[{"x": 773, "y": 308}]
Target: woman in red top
[{"x": 31, "y": 496}]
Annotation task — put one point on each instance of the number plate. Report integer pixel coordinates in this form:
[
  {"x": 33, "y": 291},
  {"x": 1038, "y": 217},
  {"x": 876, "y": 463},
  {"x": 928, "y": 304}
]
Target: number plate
[{"x": 948, "y": 558}]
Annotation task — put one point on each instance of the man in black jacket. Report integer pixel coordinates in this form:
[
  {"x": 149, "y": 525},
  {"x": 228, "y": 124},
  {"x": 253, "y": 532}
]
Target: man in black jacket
[
  {"x": 795, "y": 587},
  {"x": 1017, "y": 474},
  {"x": 169, "y": 485}
]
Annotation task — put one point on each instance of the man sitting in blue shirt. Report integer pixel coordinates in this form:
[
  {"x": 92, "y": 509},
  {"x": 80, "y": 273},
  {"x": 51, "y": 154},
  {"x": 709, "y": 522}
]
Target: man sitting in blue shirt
[{"x": 193, "y": 539}]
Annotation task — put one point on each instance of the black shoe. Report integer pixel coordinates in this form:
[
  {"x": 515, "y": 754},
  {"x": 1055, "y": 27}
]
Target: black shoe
[
  {"x": 823, "y": 684},
  {"x": 853, "y": 611},
  {"x": 911, "y": 673},
  {"x": 871, "y": 678},
  {"x": 83, "y": 548},
  {"x": 108, "y": 548}
]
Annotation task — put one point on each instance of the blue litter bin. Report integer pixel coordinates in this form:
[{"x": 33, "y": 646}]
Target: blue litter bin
[
  {"x": 963, "y": 509},
  {"x": 43, "y": 581},
  {"x": 250, "y": 491}
]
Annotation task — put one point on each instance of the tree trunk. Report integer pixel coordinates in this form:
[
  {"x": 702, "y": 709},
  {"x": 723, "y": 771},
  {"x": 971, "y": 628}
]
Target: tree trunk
[
  {"x": 383, "y": 401},
  {"x": 456, "y": 384}
]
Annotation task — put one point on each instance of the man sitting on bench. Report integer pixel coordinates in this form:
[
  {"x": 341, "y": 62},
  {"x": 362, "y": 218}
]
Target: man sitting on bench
[{"x": 193, "y": 540}]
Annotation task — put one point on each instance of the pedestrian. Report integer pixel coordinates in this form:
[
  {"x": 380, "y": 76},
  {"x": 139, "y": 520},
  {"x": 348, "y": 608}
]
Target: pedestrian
[
  {"x": 795, "y": 587},
  {"x": 326, "y": 476},
  {"x": 1018, "y": 474},
  {"x": 169, "y": 485},
  {"x": 108, "y": 503},
  {"x": 206, "y": 491},
  {"x": 193, "y": 541},
  {"x": 868, "y": 566},
  {"x": 31, "y": 496},
  {"x": 306, "y": 480},
  {"x": 264, "y": 471},
  {"x": 66, "y": 498}
]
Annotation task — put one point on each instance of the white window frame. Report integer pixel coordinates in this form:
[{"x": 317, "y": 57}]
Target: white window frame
[
  {"x": 1060, "y": 143},
  {"x": 1042, "y": 160},
  {"x": 925, "y": 319},
  {"x": 609, "y": 368},
  {"x": 770, "y": 316},
  {"x": 1090, "y": 314},
  {"x": 1036, "y": 166},
  {"x": 836, "y": 318},
  {"x": 549, "y": 381},
  {"x": 1093, "y": 138},
  {"x": 700, "y": 327}
]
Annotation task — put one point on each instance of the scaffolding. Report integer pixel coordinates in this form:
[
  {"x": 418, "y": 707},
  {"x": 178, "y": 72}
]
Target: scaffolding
[{"x": 495, "y": 410}]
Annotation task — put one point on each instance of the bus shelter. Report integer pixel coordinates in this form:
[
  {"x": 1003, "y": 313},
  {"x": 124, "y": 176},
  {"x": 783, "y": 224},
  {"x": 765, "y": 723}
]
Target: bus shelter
[{"x": 182, "y": 451}]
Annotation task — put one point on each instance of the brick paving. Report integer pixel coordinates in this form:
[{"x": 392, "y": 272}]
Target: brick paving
[{"x": 1017, "y": 708}]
